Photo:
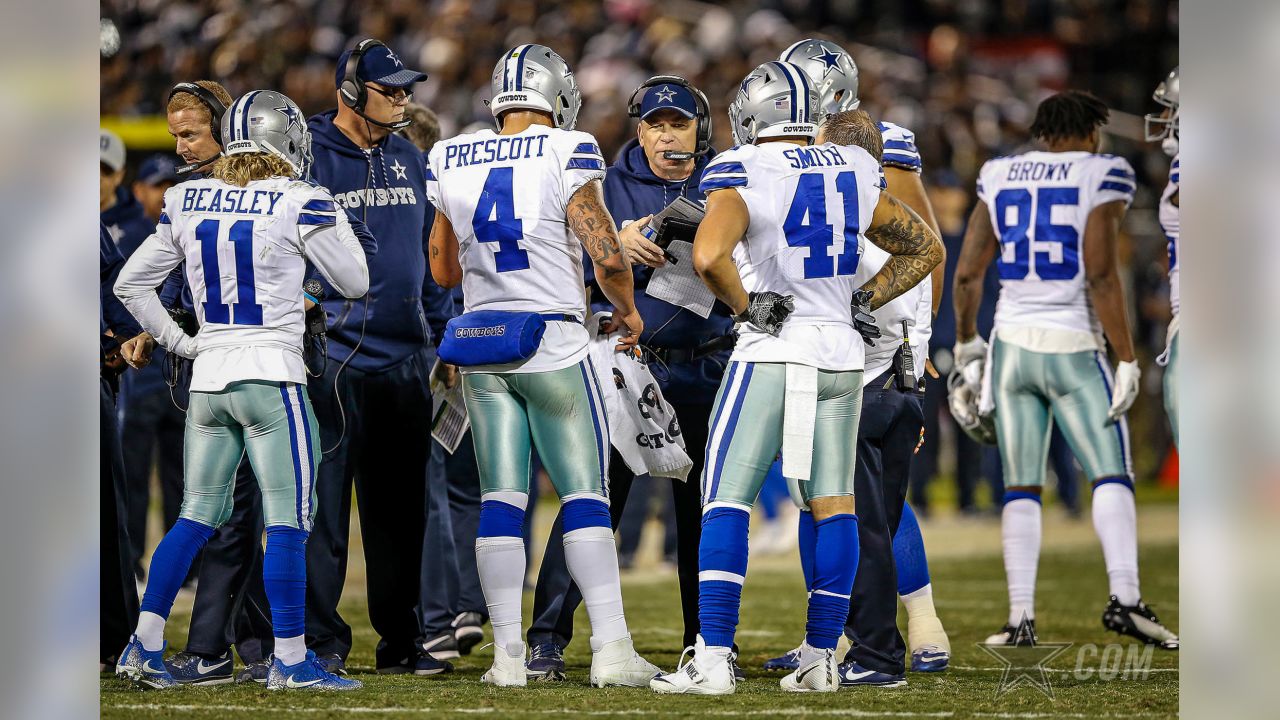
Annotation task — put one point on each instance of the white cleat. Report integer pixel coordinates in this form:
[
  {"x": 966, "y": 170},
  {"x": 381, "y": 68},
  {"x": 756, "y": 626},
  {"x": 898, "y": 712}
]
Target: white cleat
[
  {"x": 821, "y": 675},
  {"x": 617, "y": 663},
  {"x": 706, "y": 673},
  {"x": 508, "y": 667},
  {"x": 930, "y": 647}
]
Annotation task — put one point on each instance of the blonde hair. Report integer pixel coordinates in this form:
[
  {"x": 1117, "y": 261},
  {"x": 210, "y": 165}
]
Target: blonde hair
[
  {"x": 855, "y": 127},
  {"x": 187, "y": 101},
  {"x": 243, "y": 168}
]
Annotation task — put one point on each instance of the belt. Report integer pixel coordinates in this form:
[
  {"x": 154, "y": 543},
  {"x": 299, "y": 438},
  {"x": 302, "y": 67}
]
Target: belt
[
  {"x": 561, "y": 317},
  {"x": 677, "y": 356}
]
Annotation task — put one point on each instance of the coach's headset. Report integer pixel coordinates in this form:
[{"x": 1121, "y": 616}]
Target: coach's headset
[
  {"x": 703, "y": 109},
  {"x": 216, "y": 111},
  {"x": 354, "y": 92}
]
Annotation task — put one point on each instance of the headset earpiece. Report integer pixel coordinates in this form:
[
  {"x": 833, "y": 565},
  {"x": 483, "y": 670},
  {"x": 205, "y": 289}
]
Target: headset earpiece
[{"x": 353, "y": 91}]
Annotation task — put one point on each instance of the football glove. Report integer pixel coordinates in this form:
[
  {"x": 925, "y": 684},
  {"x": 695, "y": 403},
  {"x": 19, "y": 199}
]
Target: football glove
[
  {"x": 1126, "y": 389},
  {"x": 963, "y": 400},
  {"x": 863, "y": 320},
  {"x": 973, "y": 349},
  {"x": 767, "y": 310}
]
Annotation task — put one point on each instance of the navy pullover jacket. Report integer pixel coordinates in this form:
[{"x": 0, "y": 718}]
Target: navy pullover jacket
[
  {"x": 632, "y": 191},
  {"x": 386, "y": 188}
]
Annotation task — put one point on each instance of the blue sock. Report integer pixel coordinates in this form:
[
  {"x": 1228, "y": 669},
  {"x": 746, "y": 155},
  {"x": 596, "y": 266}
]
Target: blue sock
[
  {"x": 722, "y": 567},
  {"x": 835, "y": 565},
  {"x": 284, "y": 572},
  {"x": 170, "y": 564},
  {"x": 908, "y": 553},
  {"x": 808, "y": 535}
]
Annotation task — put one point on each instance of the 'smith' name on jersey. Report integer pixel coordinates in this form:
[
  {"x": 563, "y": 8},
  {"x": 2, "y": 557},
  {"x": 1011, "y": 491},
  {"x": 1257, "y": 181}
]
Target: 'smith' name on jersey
[
  {"x": 803, "y": 158},
  {"x": 499, "y": 149},
  {"x": 237, "y": 201}
]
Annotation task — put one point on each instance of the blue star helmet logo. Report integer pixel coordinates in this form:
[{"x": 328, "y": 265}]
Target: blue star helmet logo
[
  {"x": 292, "y": 113},
  {"x": 665, "y": 95},
  {"x": 829, "y": 60}
]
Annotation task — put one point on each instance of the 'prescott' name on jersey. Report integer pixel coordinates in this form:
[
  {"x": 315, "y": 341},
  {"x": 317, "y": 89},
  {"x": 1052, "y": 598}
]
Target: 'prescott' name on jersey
[
  {"x": 494, "y": 150},
  {"x": 206, "y": 199}
]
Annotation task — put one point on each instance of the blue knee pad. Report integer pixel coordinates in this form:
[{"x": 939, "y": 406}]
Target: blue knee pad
[
  {"x": 908, "y": 553},
  {"x": 499, "y": 519},
  {"x": 284, "y": 573},
  {"x": 722, "y": 567},
  {"x": 585, "y": 512},
  {"x": 171, "y": 562},
  {"x": 807, "y": 535},
  {"x": 834, "y": 568}
]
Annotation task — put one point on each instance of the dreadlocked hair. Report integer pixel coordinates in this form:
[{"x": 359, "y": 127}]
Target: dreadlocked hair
[
  {"x": 1067, "y": 115},
  {"x": 242, "y": 168}
]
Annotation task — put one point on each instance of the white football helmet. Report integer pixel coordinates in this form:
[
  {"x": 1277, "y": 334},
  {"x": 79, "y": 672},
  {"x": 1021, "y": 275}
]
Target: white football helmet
[{"x": 534, "y": 77}]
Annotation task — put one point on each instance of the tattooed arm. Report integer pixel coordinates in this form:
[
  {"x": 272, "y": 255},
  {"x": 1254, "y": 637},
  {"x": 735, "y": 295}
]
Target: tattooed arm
[
  {"x": 907, "y": 187},
  {"x": 445, "y": 268},
  {"x": 591, "y": 222},
  {"x": 914, "y": 249},
  {"x": 977, "y": 252}
]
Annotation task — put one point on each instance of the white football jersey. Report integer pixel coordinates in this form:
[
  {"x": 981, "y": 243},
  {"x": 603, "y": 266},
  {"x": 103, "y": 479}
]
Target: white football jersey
[
  {"x": 900, "y": 148},
  {"x": 1039, "y": 203},
  {"x": 808, "y": 208},
  {"x": 246, "y": 259},
  {"x": 506, "y": 197},
  {"x": 1169, "y": 221}
]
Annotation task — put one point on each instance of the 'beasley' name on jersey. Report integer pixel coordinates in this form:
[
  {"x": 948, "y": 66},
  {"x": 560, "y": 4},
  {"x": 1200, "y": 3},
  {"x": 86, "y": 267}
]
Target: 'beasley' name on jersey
[{"x": 238, "y": 201}]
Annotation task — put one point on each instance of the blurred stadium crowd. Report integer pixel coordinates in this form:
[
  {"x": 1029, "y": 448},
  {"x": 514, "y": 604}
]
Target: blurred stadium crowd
[{"x": 965, "y": 75}]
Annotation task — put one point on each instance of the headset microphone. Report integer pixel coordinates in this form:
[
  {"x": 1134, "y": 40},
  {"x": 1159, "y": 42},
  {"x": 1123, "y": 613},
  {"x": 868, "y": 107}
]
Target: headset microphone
[
  {"x": 355, "y": 92},
  {"x": 192, "y": 167},
  {"x": 677, "y": 155}
]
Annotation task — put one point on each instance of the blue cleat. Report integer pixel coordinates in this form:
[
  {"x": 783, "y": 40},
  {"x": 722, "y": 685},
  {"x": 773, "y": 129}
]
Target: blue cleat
[
  {"x": 192, "y": 669},
  {"x": 143, "y": 667},
  {"x": 306, "y": 675},
  {"x": 930, "y": 658},
  {"x": 854, "y": 675},
  {"x": 546, "y": 662},
  {"x": 790, "y": 662}
]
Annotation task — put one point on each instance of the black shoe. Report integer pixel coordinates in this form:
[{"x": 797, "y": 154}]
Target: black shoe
[
  {"x": 1023, "y": 635},
  {"x": 1138, "y": 621},
  {"x": 441, "y": 647},
  {"x": 256, "y": 672},
  {"x": 468, "y": 631},
  {"x": 739, "y": 675},
  {"x": 189, "y": 668},
  {"x": 546, "y": 662},
  {"x": 428, "y": 665},
  {"x": 332, "y": 663}
]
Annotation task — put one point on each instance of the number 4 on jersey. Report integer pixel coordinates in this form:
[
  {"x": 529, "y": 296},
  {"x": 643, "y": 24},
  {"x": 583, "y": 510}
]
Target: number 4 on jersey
[{"x": 495, "y": 221}]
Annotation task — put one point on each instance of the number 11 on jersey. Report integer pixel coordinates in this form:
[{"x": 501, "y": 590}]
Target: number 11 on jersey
[{"x": 247, "y": 309}]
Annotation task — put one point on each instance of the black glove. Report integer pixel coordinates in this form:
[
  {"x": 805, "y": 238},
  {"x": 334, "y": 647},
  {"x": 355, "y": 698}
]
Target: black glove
[
  {"x": 767, "y": 310},
  {"x": 863, "y": 321}
]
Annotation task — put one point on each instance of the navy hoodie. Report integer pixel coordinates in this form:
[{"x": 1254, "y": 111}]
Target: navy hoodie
[
  {"x": 632, "y": 191},
  {"x": 386, "y": 188},
  {"x": 128, "y": 225}
]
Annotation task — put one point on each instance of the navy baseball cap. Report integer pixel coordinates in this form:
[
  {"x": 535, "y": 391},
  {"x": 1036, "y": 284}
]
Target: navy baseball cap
[
  {"x": 669, "y": 96},
  {"x": 380, "y": 65},
  {"x": 157, "y": 169}
]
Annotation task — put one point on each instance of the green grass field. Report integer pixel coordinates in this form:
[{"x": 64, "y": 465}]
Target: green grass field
[{"x": 969, "y": 588}]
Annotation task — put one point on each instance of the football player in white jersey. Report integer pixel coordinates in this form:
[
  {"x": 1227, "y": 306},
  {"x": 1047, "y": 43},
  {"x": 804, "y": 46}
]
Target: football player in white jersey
[
  {"x": 780, "y": 245},
  {"x": 514, "y": 210},
  {"x": 1163, "y": 127},
  {"x": 246, "y": 234},
  {"x": 1050, "y": 220},
  {"x": 835, "y": 74}
]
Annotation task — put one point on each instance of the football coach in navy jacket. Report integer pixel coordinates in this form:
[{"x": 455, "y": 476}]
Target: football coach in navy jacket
[
  {"x": 373, "y": 400},
  {"x": 686, "y": 353}
]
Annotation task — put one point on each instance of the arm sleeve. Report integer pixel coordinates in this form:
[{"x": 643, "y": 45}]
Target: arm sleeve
[
  {"x": 583, "y": 162},
  {"x": 1117, "y": 183},
  {"x": 327, "y": 240},
  {"x": 136, "y": 288},
  {"x": 115, "y": 316},
  {"x": 432, "y": 160},
  {"x": 900, "y": 148}
]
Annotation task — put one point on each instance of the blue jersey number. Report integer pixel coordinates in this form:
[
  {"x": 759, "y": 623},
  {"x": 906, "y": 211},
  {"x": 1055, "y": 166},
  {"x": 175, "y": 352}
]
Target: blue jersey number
[
  {"x": 495, "y": 221},
  {"x": 806, "y": 225},
  {"x": 1053, "y": 249},
  {"x": 247, "y": 311}
]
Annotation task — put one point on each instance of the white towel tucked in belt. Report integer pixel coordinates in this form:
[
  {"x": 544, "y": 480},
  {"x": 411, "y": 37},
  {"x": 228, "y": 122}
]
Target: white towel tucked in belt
[
  {"x": 799, "y": 415},
  {"x": 642, "y": 424}
]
